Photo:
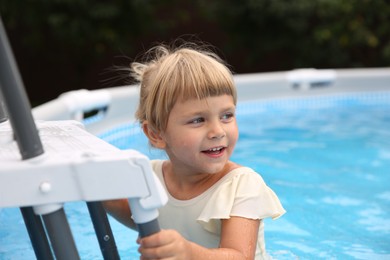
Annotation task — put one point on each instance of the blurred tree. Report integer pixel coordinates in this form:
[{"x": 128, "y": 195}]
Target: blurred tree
[
  {"x": 283, "y": 34},
  {"x": 60, "y": 43},
  {"x": 69, "y": 44}
]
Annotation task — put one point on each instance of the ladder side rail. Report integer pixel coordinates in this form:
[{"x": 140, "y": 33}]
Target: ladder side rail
[{"x": 30, "y": 146}]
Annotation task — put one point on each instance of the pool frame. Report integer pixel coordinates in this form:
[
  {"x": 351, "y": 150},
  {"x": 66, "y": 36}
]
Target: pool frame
[{"x": 112, "y": 107}]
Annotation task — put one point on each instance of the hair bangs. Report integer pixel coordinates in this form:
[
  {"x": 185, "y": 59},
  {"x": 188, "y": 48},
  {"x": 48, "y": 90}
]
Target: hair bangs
[{"x": 198, "y": 76}]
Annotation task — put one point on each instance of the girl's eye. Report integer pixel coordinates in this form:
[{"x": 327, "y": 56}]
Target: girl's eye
[
  {"x": 197, "y": 121},
  {"x": 227, "y": 116}
]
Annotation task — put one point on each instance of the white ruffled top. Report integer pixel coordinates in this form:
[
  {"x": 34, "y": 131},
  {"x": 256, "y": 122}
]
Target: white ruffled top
[{"x": 242, "y": 193}]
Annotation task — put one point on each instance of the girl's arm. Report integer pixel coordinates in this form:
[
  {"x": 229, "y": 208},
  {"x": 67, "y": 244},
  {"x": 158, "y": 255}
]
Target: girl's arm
[
  {"x": 238, "y": 241},
  {"x": 120, "y": 210}
]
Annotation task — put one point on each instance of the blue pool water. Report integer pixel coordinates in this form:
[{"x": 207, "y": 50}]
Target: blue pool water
[{"x": 327, "y": 158}]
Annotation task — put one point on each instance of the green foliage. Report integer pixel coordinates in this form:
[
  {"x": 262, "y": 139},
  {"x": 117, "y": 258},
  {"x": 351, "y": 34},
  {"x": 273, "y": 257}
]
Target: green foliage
[
  {"x": 306, "y": 33},
  {"x": 70, "y": 42},
  {"x": 80, "y": 26},
  {"x": 67, "y": 44}
]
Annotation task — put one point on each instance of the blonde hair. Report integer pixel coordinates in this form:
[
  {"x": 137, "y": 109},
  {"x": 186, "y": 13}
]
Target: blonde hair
[{"x": 176, "y": 74}]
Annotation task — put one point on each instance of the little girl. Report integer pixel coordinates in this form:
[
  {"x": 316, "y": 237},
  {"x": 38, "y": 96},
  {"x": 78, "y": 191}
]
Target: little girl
[{"x": 216, "y": 207}]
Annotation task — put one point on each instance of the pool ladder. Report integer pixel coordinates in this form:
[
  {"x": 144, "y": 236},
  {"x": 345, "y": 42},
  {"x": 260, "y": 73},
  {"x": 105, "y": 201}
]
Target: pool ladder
[{"x": 42, "y": 180}]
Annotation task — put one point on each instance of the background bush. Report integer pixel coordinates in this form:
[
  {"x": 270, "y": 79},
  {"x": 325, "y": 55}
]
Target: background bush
[{"x": 62, "y": 45}]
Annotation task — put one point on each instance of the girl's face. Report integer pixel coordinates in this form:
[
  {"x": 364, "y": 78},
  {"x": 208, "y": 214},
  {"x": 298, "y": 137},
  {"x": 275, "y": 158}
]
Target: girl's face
[{"x": 201, "y": 134}]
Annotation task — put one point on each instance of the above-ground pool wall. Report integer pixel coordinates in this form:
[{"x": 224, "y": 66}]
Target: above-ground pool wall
[
  {"x": 117, "y": 105},
  {"x": 308, "y": 82}
]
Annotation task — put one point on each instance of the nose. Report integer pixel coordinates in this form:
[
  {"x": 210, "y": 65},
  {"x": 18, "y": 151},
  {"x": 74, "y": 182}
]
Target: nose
[{"x": 216, "y": 130}]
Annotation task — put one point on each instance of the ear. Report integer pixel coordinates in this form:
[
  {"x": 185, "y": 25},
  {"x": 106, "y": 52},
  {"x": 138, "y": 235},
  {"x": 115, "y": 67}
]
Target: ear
[{"x": 154, "y": 136}]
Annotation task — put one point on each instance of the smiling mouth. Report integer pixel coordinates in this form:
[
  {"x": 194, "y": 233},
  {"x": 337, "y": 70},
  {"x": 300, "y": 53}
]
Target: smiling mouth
[{"x": 215, "y": 150}]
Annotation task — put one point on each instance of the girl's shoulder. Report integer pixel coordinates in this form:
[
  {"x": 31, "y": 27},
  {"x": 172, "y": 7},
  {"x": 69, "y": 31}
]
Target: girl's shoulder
[
  {"x": 243, "y": 193},
  {"x": 244, "y": 176}
]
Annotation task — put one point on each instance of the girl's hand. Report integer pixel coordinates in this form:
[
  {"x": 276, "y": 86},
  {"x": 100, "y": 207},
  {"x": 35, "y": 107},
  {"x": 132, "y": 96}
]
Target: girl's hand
[
  {"x": 166, "y": 244},
  {"x": 238, "y": 241}
]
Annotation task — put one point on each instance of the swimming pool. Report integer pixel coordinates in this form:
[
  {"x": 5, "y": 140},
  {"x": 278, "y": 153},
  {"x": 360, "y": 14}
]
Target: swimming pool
[
  {"x": 328, "y": 159},
  {"x": 327, "y": 156}
]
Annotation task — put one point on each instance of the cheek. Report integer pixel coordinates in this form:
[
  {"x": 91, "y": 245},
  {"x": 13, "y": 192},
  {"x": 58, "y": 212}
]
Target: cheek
[
  {"x": 233, "y": 141},
  {"x": 186, "y": 142},
  {"x": 179, "y": 142},
  {"x": 234, "y": 134}
]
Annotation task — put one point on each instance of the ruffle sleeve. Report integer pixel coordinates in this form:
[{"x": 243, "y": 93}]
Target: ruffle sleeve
[{"x": 243, "y": 195}]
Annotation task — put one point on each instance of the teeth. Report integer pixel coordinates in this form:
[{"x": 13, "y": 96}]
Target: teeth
[{"x": 215, "y": 149}]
